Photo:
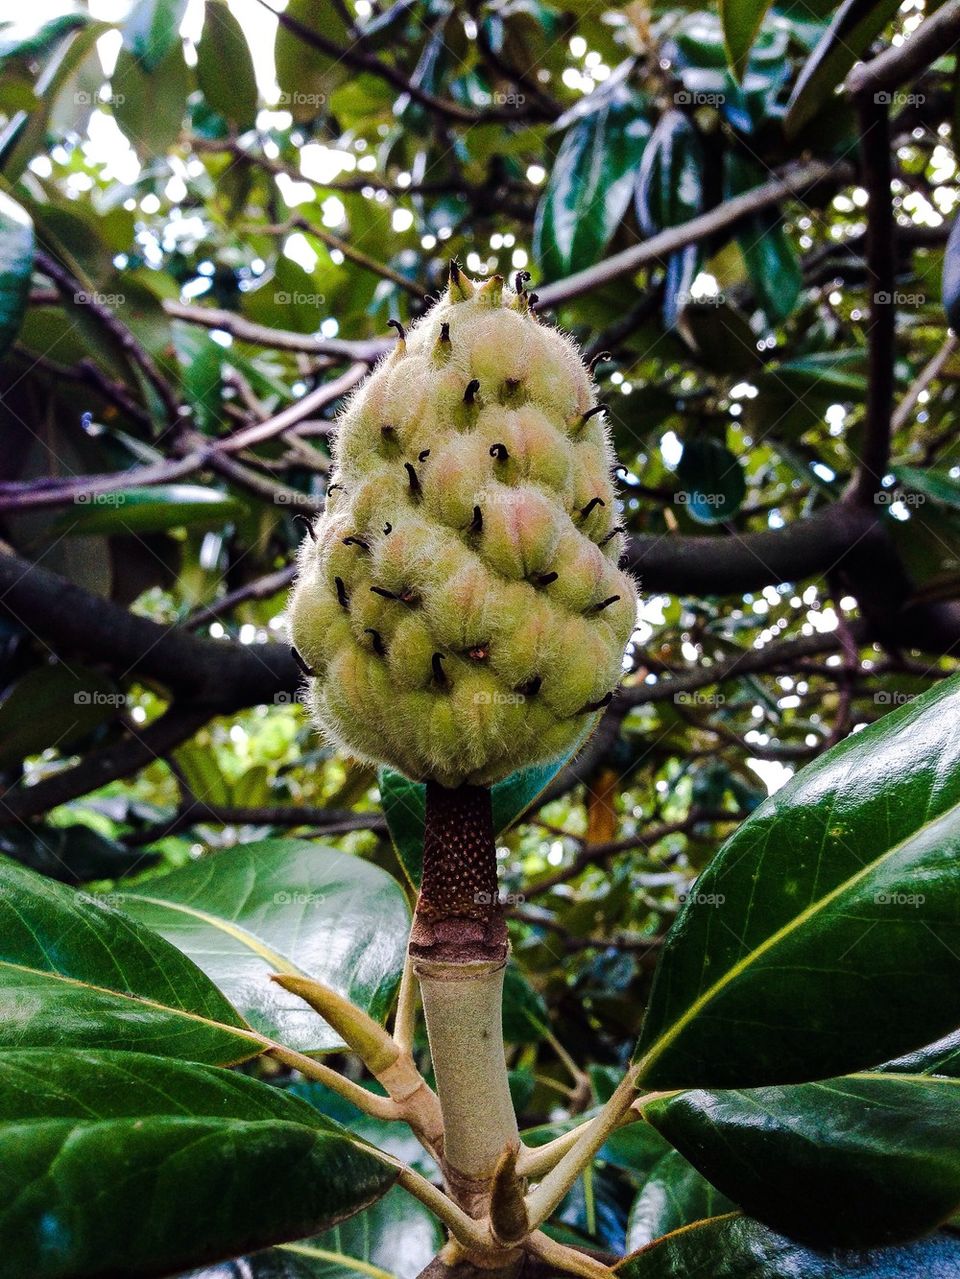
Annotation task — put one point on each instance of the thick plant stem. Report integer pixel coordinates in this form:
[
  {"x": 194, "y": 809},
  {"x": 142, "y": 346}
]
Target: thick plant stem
[
  {"x": 462, "y": 1004},
  {"x": 459, "y": 949}
]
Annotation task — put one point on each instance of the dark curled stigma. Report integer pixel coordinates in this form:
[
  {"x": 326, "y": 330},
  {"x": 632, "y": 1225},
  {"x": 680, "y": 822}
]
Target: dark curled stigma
[
  {"x": 544, "y": 579},
  {"x": 617, "y": 528},
  {"x": 594, "y": 501},
  {"x": 439, "y": 674},
  {"x": 472, "y": 388},
  {"x": 356, "y": 541},
  {"x": 499, "y": 451},
  {"x": 405, "y": 597},
  {"x": 598, "y": 608},
  {"x": 378, "y": 646},
  {"x": 331, "y": 487},
  {"x": 444, "y": 332},
  {"x": 307, "y": 523},
  {"x": 596, "y": 706},
  {"x": 387, "y": 529},
  {"x": 520, "y": 279},
  {"x": 476, "y": 524},
  {"x": 597, "y": 408},
  {"x": 422, "y": 457},
  {"x": 454, "y": 271},
  {"x": 401, "y": 331},
  {"x": 530, "y": 687},
  {"x": 415, "y": 489},
  {"x": 341, "y": 592},
  {"x": 300, "y": 662},
  {"x": 601, "y": 357}
]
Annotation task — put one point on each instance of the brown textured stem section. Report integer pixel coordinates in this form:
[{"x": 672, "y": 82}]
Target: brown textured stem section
[{"x": 459, "y": 918}]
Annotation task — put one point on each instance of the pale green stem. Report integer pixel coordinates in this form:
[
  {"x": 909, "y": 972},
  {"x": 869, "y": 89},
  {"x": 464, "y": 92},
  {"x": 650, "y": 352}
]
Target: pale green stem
[
  {"x": 405, "y": 1021},
  {"x": 536, "y": 1161},
  {"x": 566, "y": 1259},
  {"x": 545, "y": 1197},
  {"x": 371, "y": 1104},
  {"x": 462, "y": 1004}
]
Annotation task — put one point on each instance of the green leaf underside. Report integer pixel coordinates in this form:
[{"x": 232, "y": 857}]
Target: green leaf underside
[
  {"x": 735, "y": 1247},
  {"x": 75, "y": 972},
  {"x": 404, "y": 804},
  {"x": 825, "y": 935},
  {"x": 244, "y": 1163},
  {"x": 245, "y": 913},
  {"x": 674, "y": 1195},
  {"x": 860, "y": 1161}
]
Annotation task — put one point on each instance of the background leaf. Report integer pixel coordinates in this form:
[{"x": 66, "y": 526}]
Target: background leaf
[
  {"x": 674, "y": 1195},
  {"x": 741, "y": 22},
  {"x": 225, "y": 67}
]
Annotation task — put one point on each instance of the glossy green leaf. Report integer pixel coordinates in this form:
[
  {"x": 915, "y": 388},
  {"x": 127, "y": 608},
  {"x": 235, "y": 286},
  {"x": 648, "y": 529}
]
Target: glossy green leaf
[
  {"x": 854, "y": 27},
  {"x": 16, "y": 264},
  {"x": 152, "y": 29},
  {"x": 741, "y": 21},
  {"x": 393, "y": 1239},
  {"x": 244, "y": 1164},
  {"x": 950, "y": 287},
  {"x": 75, "y": 972},
  {"x": 149, "y": 510},
  {"x": 824, "y": 937},
  {"x": 856, "y": 1162},
  {"x": 713, "y": 482},
  {"x": 590, "y": 184},
  {"x": 735, "y": 1247},
  {"x": 73, "y": 854},
  {"x": 404, "y": 805},
  {"x": 674, "y": 1195},
  {"x": 225, "y": 67},
  {"x": 283, "y": 906}
]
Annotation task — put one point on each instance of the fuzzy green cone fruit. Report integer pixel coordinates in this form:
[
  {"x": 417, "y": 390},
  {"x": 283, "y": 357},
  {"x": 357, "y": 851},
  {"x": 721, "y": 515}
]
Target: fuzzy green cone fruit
[{"x": 459, "y": 604}]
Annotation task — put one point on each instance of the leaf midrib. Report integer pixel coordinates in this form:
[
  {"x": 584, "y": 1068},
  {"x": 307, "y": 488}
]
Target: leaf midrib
[
  {"x": 242, "y": 1032},
  {"x": 236, "y": 931},
  {"x": 660, "y": 1045}
]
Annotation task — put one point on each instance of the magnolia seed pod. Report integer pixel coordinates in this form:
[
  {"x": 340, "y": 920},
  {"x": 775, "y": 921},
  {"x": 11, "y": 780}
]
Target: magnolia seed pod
[{"x": 459, "y": 605}]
